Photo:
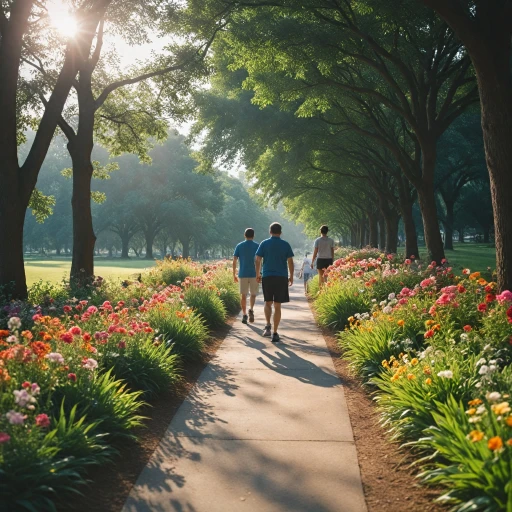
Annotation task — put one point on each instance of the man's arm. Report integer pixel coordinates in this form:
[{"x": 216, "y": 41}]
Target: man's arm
[
  {"x": 332, "y": 251},
  {"x": 235, "y": 277},
  {"x": 291, "y": 268},
  {"x": 258, "y": 267},
  {"x": 315, "y": 252}
]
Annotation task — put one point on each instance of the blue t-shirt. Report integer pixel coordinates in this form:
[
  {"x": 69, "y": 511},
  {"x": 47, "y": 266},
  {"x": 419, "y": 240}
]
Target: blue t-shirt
[
  {"x": 246, "y": 252},
  {"x": 275, "y": 253}
]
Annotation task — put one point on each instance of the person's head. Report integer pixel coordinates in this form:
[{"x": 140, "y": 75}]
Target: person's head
[
  {"x": 324, "y": 230},
  {"x": 249, "y": 233},
  {"x": 275, "y": 229}
]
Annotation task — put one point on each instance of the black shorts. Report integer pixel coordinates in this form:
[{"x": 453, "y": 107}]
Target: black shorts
[
  {"x": 322, "y": 263},
  {"x": 275, "y": 289}
]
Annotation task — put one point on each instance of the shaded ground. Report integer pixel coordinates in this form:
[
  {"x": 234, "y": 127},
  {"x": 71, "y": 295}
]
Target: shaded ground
[
  {"x": 389, "y": 482},
  {"x": 111, "y": 484},
  {"x": 469, "y": 254}
]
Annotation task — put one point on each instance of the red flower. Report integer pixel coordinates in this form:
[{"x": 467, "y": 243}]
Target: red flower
[
  {"x": 461, "y": 288},
  {"x": 67, "y": 309},
  {"x": 87, "y": 337},
  {"x": 66, "y": 337},
  {"x": 482, "y": 307},
  {"x": 26, "y": 385},
  {"x": 509, "y": 315},
  {"x": 467, "y": 328},
  {"x": 42, "y": 420},
  {"x": 72, "y": 377},
  {"x": 490, "y": 297},
  {"x": 75, "y": 330},
  {"x": 122, "y": 344},
  {"x": 429, "y": 334}
]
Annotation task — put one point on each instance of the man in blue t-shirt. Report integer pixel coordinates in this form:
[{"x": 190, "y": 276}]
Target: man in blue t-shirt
[
  {"x": 245, "y": 252},
  {"x": 277, "y": 256}
]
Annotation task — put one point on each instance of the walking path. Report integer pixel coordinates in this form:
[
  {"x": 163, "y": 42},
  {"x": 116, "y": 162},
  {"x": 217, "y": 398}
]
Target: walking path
[{"x": 265, "y": 429}]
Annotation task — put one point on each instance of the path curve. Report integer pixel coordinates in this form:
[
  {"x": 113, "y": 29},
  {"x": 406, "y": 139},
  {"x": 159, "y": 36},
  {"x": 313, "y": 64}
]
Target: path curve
[{"x": 265, "y": 429}]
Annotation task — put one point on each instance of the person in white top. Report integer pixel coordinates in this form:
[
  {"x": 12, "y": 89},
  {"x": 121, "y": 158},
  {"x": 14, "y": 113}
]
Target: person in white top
[
  {"x": 307, "y": 271},
  {"x": 323, "y": 254}
]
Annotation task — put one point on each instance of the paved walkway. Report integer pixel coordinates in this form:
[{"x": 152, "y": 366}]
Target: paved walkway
[{"x": 265, "y": 429}]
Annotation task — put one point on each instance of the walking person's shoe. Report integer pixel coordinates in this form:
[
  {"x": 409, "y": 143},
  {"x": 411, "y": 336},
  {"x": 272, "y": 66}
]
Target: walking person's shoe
[
  {"x": 275, "y": 338},
  {"x": 267, "y": 333},
  {"x": 251, "y": 316},
  {"x": 244, "y": 319}
]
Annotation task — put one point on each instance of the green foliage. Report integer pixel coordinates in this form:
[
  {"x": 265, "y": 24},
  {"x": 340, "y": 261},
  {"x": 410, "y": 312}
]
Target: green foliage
[
  {"x": 228, "y": 290},
  {"x": 207, "y": 303},
  {"x": 172, "y": 272},
  {"x": 41, "y": 205},
  {"x": 182, "y": 328}
]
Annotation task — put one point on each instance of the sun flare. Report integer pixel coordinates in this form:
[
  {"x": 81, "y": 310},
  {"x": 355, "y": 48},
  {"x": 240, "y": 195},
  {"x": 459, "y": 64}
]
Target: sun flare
[{"x": 62, "y": 20}]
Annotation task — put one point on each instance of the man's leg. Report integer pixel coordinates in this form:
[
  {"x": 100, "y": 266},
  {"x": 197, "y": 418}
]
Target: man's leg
[
  {"x": 277, "y": 315},
  {"x": 268, "y": 311},
  {"x": 321, "y": 276},
  {"x": 253, "y": 301},
  {"x": 243, "y": 302}
]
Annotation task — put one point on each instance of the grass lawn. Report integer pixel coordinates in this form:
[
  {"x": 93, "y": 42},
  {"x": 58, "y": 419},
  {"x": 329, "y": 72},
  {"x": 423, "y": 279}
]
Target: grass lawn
[
  {"x": 55, "y": 269},
  {"x": 476, "y": 257}
]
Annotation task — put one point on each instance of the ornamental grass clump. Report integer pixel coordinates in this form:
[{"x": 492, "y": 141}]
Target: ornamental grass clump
[
  {"x": 172, "y": 271},
  {"x": 228, "y": 290},
  {"x": 205, "y": 301}
]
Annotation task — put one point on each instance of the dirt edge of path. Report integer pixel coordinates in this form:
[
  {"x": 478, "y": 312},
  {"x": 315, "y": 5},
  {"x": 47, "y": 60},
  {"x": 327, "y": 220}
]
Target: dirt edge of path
[
  {"x": 389, "y": 482},
  {"x": 111, "y": 484}
]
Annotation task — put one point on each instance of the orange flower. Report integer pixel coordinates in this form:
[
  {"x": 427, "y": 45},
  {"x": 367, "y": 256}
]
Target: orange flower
[
  {"x": 401, "y": 323},
  {"x": 427, "y": 370},
  {"x": 471, "y": 411},
  {"x": 495, "y": 443},
  {"x": 476, "y": 435},
  {"x": 482, "y": 281},
  {"x": 414, "y": 361},
  {"x": 4, "y": 333},
  {"x": 501, "y": 408},
  {"x": 508, "y": 421},
  {"x": 27, "y": 335},
  {"x": 474, "y": 276},
  {"x": 428, "y": 381},
  {"x": 411, "y": 376},
  {"x": 475, "y": 401},
  {"x": 509, "y": 442},
  {"x": 428, "y": 323}
]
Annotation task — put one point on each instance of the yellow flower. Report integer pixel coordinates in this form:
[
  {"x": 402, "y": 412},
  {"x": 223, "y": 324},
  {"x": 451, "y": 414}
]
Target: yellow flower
[
  {"x": 428, "y": 381},
  {"x": 350, "y": 319},
  {"x": 411, "y": 376},
  {"x": 475, "y": 401},
  {"x": 500, "y": 409},
  {"x": 427, "y": 370},
  {"x": 471, "y": 411},
  {"x": 414, "y": 361},
  {"x": 495, "y": 443},
  {"x": 385, "y": 364},
  {"x": 476, "y": 435},
  {"x": 395, "y": 377},
  {"x": 401, "y": 323}
]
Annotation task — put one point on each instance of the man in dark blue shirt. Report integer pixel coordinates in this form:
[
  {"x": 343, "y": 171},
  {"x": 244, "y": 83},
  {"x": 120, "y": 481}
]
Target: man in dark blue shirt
[
  {"x": 277, "y": 256},
  {"x": 245, "y": 252}
]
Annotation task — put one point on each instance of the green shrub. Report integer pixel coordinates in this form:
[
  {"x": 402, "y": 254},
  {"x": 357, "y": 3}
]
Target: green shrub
[
  {"x": 207, "y": 303},
  {"x": 170, "y": 271},
  {"x": 337, "y": 302},
  {"x": 228, "y": 289},
  {"x": 42, "y": 292},
  {"x": 184, "y": 329},
  {"x": 149, "y": 366}
]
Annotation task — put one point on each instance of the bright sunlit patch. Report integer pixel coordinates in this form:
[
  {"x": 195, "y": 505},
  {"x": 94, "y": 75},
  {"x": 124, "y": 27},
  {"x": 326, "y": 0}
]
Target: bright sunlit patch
[{"x": 61, "y": 19}]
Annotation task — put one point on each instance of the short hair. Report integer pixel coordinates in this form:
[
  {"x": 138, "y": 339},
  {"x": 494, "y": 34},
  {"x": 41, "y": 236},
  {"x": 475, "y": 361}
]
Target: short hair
[
  {"x": 324, "y": 229},
  {"x": 249, "y": 233},
  {"x": 275, "y": 228}
]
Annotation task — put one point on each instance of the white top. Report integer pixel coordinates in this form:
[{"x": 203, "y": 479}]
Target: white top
[
  {"x": 325, "y": 246},
  {"x": 306, "y": 266}
]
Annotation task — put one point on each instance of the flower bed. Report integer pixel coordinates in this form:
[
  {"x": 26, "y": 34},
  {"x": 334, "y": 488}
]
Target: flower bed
[
  {"x": 75, "y": 370},
  {"x": 436, "y": 349}
]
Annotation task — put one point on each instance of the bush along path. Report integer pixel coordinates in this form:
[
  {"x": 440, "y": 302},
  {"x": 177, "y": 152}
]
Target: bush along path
[
  {"x": 76, "y": 366},
  {"x": 435, "y": 349},
  {"x": 265, "y": 428}
]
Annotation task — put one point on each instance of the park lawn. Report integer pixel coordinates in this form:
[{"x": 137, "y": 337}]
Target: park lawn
[
  {"x": 469, "y": 255},
  {"x": 56, "y": 269}
]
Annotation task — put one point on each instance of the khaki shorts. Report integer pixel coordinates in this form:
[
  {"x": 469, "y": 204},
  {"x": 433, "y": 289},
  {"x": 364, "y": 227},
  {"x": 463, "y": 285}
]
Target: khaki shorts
[{"x": 248, "y": 284}]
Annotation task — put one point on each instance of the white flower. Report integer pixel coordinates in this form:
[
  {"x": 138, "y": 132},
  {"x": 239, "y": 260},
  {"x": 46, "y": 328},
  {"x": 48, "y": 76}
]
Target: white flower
[
  {"x": 484, "y": 370},
  {"x": 391, "y": 296},
  {"x": 474, "y": 419},
  {"x": 487, "y": 347},
  {"x": 90, "y": 364},
  {"x": 15, "y": 418},
  {"x": 12, "y": 339},
  {"x": 387, "y": 310},
  {"x": 374, "y": 300},
  {"x": 14, "y": 323},
  {"x": 480, "y": 409},
  {"x": 481, "y": 361},
  {"x": 55, "y": 357},
  {"x": 464, "y": 337},
  {"x": 445, "y": 374},
  {"x": 492, "y": 368},
  {"x": 383, "y": 303},
  {"x": 493, "y": 396},
  {"x": 478, "y": 385},
  {"x": 22, "y": 397}
]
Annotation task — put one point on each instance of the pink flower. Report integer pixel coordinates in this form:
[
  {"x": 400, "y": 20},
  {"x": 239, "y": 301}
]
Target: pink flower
[
  {"x": 55, "y": 357},
  {"x": 122, "y": 344},
  {"x": 432, "y": 310},
  {"x": 67, "y": 309},
  {"x": 90, "y": 364},
  {"x": 92, "y": 309},
  {"x": 407, "y": 261},
  {"x": 449, "y": 289},
  {"x": 504, "y": 296},
  {"x": 4, "y": 437},
  {"x": 444, "y": 260},
  {"x": 15, "y": 418},
  {"x": 42, "y": 420},
  {"x": 428, "y": 282},
  {"x": 72, "y": 377},
  {"x": 66, "y": 337},
  {"x": 75, "y": 330}
]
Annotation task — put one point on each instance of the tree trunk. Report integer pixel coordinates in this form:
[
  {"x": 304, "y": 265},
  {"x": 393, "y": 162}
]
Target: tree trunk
[
  {"x": 110, "y": 252},
  {"x": 448, "y": 225},
  {"x": 353, "y": 236},
  {"x": 150, "y": 237},
  {"x": 433, "y": 239},
  {"x": 125, "y": 246},
  {"x": 57, "y": 250},
  {"x": 411, "y": 236},
  {"x": 391, "y": 221},
  {"x": 84, "y": 239},
  {"x": 362, "y": 232},
  {"x": 374, "y": 230},
  {"x": 461, "y": 234},
  {"x": 382, "y": 233},
  {"x": 186, "y": 248}
]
